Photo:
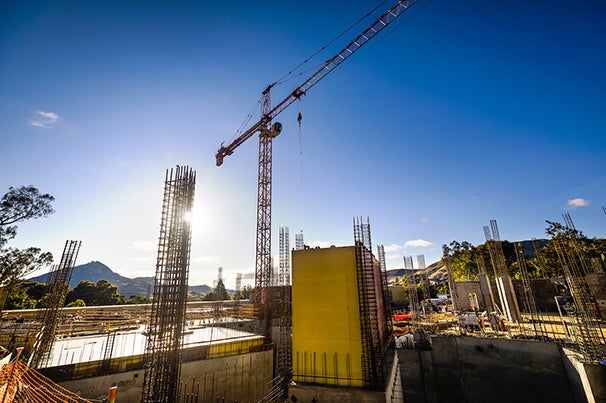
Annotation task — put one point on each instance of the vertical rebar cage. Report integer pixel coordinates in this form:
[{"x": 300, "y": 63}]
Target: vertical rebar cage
[
  {"x": 165, "y": 335},
  {"x": 368, "y": 287},
  {"x": 58, "y": 280}
]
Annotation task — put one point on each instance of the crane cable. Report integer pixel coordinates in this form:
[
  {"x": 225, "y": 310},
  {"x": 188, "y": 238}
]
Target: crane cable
[
  {"x": 299, "y": 119},
  {"x": 247, "y": 119},
  {"x": 284, "y": 77}
]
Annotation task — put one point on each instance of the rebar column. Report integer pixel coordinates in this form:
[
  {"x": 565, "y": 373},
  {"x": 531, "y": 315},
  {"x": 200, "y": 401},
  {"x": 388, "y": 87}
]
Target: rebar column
[
  {"x": 59, "y": 284},
  {"x": 161, "y": 382},
  {"x": 369, "y": 287},
  {"x": 454, "y": 294},
  {"x": 587, "y": 321},
  {"x": 529, "y": 295}
]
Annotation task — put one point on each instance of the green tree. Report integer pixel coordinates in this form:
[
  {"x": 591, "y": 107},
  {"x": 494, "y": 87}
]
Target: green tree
[
  {"x": 573, "y": 243},
  {"x": 107, "y": 293},
  {"x": 18, "y": 299},
  {"x": 246, "y": 292},
  {"x": 18, "y": 205},
  {"x": 76, "y": 303},
  {"x": 218, "y": 294},
  {"x": 462, "y": 259},
  {"x": 95, "y": 294},
  {"x": 221, "y": 292},
  {"x": 138, "y": 299}
]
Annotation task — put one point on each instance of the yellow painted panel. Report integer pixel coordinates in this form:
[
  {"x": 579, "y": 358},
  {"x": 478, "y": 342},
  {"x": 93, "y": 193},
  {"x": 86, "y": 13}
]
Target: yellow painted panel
[{"x": 326, "y": 341}]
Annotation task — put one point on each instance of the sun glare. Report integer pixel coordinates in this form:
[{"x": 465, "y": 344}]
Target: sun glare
[{"x": 188, "y": 216}]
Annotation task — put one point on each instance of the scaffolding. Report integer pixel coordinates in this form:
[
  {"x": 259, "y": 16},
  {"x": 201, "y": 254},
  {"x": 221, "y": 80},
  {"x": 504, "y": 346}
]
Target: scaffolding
[
  {"x": 161, "y": 382},
  {"x": 372, "y": 357},
  {"x": 59, "y": 285}
]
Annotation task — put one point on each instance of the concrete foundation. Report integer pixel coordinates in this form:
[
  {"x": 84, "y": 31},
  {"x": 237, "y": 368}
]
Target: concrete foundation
[
  {"x": 470, "y": 369},
  {"x": 242, "y": 377},
  {"x": 316, "y": 393}
]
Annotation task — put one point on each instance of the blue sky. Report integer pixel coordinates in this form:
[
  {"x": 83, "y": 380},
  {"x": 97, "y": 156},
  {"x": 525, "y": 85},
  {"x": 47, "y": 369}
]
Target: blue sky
[{"x": 460, "y": 113}]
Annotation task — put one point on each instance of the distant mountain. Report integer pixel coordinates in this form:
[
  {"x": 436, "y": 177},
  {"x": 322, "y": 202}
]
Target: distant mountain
[{"x": 95, "y": 271}]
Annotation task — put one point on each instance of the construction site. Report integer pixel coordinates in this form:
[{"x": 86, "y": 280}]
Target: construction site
[{"x": 324, "y": 325}]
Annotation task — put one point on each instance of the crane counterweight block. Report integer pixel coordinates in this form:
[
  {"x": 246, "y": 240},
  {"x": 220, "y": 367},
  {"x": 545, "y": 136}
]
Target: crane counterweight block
[{"x": 273, "y": 131}]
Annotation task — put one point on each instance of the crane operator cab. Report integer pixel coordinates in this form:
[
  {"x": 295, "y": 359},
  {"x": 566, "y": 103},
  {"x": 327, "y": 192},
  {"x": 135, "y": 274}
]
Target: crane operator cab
[{"x": 273, "y": 131}]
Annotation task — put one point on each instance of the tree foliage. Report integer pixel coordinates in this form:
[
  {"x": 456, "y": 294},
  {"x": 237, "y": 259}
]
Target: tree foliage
[
  {"x": 544, "y": 264},
  {"x": 138, "y": 299},
  {"x": 219, "y": 293},
  {"x": 95, "y": 294},
  {"x": 17, "y": 205},
  {"x": 76, "y": 304},
  {"x": 247, "y": 291},
  {"x": 572, "y": 242},
  {"x": 26, "y": 294},
  {"x": 16, "y": 263}
]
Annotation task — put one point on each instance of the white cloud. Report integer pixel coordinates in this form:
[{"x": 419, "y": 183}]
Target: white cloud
[
  {"x": 49, "y": 118},
  {"x": 418, "y": 243},
  {"x": 393, "y": 248},
  {"x": 424, "y": 219},
  {"x": 578, "y": 202}
]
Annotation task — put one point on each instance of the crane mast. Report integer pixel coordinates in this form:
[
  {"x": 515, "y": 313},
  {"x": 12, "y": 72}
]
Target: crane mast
[{"x": 267, "y": 131}]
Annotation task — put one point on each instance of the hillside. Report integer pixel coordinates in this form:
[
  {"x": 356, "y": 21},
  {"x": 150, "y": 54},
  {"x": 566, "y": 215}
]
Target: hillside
[
  {"x": 437, "y": 271},
  {"x": 95, "y": 271}
]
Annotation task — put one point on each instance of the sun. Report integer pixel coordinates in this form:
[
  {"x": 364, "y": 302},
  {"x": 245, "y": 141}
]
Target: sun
[{"x": 188, "y": 216}]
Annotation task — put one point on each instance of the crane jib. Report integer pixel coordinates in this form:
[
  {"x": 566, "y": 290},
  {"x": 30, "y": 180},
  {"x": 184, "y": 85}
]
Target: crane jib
[{"x": 383, "y": 21}]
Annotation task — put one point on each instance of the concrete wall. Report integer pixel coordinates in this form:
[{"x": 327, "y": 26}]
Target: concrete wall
[
  {"x": 597, "y": 285},
  {"x": 543, "y": 290},
  {"x": 463, "y": 290},
  {"x": 317, "y": 393},
  {"x": 243, "y": 378},
  {"x": 398, "y": 294},
  {"x": 470, "y": 369}
]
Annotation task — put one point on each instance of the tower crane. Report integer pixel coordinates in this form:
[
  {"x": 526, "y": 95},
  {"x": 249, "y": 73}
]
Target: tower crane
[{"x": 268, "y": 131}]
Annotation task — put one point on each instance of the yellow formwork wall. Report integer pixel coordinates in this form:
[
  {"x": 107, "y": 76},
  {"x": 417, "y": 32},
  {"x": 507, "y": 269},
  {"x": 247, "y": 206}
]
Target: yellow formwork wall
[
  {"x": 235, "y": 347},
  {"x": 326, "y": 342}
]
